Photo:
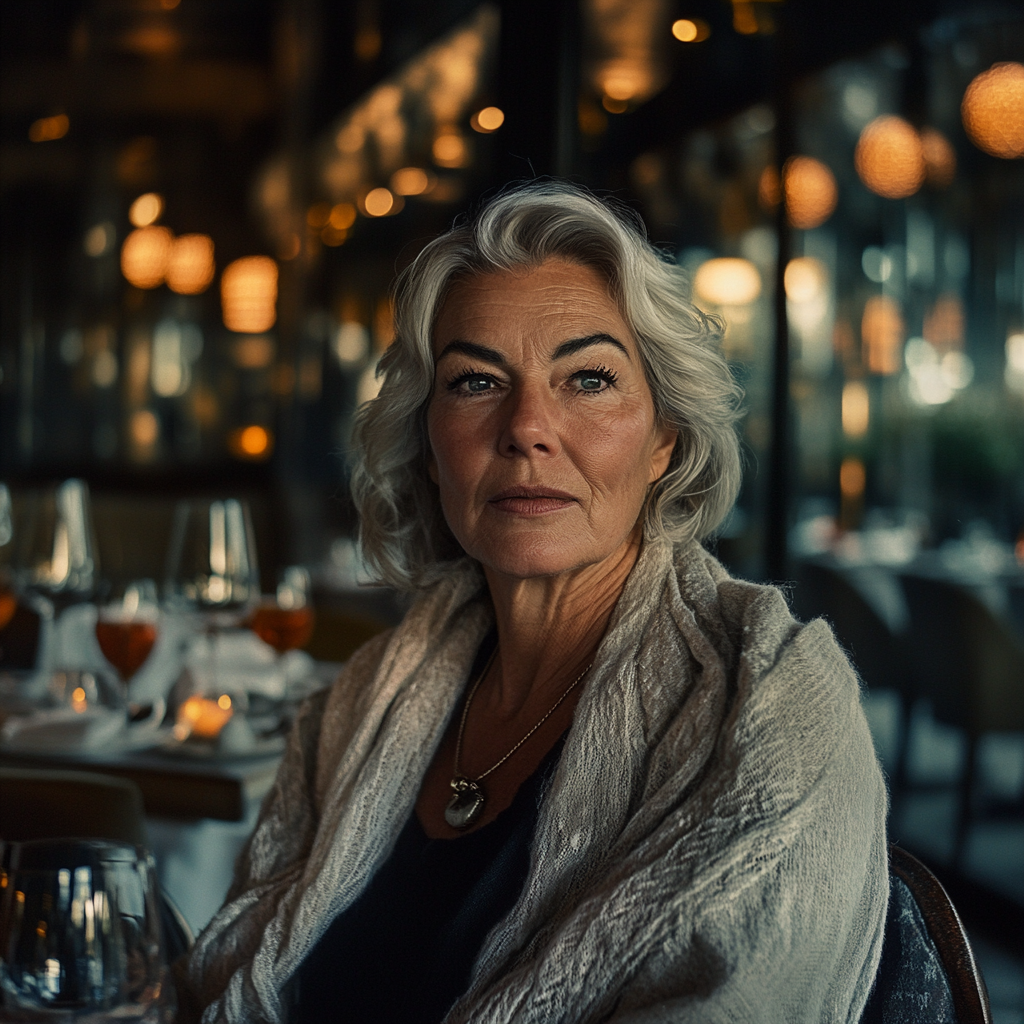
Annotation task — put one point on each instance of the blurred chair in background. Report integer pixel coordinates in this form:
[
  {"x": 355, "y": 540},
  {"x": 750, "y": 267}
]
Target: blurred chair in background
[
  {"x": 878, "y": 653},
  {"x": 970, "y": 665}
]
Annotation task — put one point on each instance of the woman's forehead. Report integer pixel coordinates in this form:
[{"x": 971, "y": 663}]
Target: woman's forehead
[{"x": 554, "y": 296}]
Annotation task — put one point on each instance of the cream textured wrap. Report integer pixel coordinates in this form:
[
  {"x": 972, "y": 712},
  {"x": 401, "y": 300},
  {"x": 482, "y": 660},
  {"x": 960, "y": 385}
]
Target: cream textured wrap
[{"x": 711, "y": 848}]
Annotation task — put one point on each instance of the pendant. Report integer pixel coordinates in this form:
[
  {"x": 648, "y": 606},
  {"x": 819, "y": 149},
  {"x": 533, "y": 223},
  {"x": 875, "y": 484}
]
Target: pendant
[{"x": 466, "y": 804}]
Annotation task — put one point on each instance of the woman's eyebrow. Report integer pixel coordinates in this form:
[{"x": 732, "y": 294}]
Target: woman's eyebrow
[
  {"x": 568, "y": 348},
  {"x": 471, "y": 348}
]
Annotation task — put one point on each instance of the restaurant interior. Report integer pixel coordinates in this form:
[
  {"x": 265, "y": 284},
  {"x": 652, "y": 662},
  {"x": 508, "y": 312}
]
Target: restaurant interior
[{"x": 203, "y": 208}]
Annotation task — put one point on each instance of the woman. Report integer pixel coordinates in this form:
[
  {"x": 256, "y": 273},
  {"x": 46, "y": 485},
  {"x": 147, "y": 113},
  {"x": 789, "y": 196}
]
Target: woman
[{"x": 590, "y": 776}]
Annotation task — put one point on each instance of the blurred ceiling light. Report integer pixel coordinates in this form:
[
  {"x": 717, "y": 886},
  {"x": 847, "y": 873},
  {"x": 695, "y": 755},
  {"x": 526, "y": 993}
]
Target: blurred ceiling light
[
  {"x": 993, "y": 110},
  {"x": 805, "y": 279},
  {"x": 1013, "y": 374},
  {"x": 378, "y": 202},
  {"x": 248, "y": 292},
  {"x": 144, "y": 256},
  {"x": 614, "y": 106},
  {"x": 252, "y": 442},
  {"x": 146, "y": 209},
  {"x": 99, "y": 239},
  {"x": 625, "y": 80},
  {"x": 342, "y": 216},
  {"x": 449, "y": 149},
  {"x": 811, "y": 192},
  {"x": 728, "y": 281},
  {"x": 852, "y": 478},
  {"x": 47, "y": 129},
  {"x": 410, "y": 181},
  {"x": 890, "y": 157},
  {"x": 691, "y": 30},
  {"x": 144, "y": 428},
  {"x": 856, "y": 409},
  {"x": 318, "y": 215},
  {"x": 253, "y": 352},
  {"x": 881, "y": 331},
  {"x": 488, "y": 120},
  {"x": 190, "y": 267},
  {"x": 939, "y": 158}
]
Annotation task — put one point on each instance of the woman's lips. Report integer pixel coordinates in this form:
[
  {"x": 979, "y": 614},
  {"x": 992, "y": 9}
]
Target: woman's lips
[{"x": 531, "y": 501}]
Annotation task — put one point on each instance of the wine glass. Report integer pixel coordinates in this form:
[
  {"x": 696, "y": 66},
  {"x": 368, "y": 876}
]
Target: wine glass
[
  {"x": 126, "y": 629},
  {"x": 80, "y": 933},
  {"x": 54, "y": 559},
  {"x": 285, "y": 621}
]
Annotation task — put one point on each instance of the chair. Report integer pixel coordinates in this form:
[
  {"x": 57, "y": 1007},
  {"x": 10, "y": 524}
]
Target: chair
[
  {"x": 927, "y": 971},
  {"x": 970, "y": 665},
  {"x": 37, "y": 804},
  {"x": 878, "y": 652}
]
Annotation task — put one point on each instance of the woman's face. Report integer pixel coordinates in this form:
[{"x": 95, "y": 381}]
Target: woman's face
[{"x": 543, "y": 439}]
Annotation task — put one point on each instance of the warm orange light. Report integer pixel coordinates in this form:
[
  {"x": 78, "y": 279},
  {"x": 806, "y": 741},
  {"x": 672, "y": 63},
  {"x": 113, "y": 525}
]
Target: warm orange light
[
  {"x": 856, "y": 409},
  {"x": 190, "y": 267},
  {"x": 727, "y": 282},
  {"x": 410, "y": 181},
  {"x": 253, "y": 352},
  {"x": 144, "y": 256},
  {"x": 811, "y": 192},
  {"x": 805, "y": 279},
  {"x": 144, "y": 428},
  {"x": 146, "y": 209},
  {"x": 890, "y": 158},
  {"x": 614, "y": 106},
  {"x": 449, "y": 150},
  {"x": 944, "y": 324},
  {"x": 224, "y": 702},
  {"x": 252, "y": 442},
  {"x": 202, "y": 717},
  {"x": 342, "y": 216},
  {"x": 378, "y": 202},
  {"x": 333, "y": 236},
  {"x": 993, "y": 110},
  {"x": 488, "y": 120},
  {"x": 248, "y": 294},
  {"x": 939, "y": 158},
  {"x": 318, "y": 215},
  {"x": 47, "y": 129},
  {"x": 882, "y": 332},
  {"x": 78, "y": 699},
  {"x": 744, "y": 20},
  {"x": 769, "y": 191},
  {"x": 852, "y": 478},
  {"x": 684, "y": 30}
]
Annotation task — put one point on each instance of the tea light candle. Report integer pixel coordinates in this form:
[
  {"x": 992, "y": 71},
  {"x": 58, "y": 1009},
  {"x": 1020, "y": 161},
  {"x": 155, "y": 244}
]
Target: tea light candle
[{"x": 203, "y": 717}]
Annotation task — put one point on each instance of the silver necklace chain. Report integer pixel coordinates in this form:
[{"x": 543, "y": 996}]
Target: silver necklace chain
[{"x": 469, "y": 700}]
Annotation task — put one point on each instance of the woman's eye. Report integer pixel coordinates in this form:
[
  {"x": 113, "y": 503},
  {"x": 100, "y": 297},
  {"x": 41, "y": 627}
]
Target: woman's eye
[
  {"x": 593, "y": 381},
  {"x": 477, "y": 384}
]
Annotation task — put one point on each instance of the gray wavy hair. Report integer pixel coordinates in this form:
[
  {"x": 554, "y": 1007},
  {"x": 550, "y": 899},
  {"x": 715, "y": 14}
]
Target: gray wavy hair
[{"x": 404, "y": 536}]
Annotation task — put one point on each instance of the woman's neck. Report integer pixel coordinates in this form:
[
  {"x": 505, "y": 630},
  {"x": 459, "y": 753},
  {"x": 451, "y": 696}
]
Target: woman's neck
[{"x": 550, "y": 627}]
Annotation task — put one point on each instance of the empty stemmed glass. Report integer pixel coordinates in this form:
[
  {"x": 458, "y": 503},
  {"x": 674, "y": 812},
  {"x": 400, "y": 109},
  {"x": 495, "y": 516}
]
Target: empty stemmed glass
[{"x": 80, "y": 934}]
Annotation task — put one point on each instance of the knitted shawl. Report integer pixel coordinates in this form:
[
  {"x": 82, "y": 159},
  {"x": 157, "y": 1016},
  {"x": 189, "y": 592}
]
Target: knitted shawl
[{"x": 711, "y": 847}]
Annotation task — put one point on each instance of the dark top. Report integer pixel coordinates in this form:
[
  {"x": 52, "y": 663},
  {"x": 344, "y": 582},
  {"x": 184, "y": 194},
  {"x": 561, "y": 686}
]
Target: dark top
[{"x": 404, "y": 951}]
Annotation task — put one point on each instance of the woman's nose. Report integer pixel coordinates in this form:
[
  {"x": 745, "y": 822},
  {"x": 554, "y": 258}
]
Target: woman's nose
[{"x": 530, "y": 422}]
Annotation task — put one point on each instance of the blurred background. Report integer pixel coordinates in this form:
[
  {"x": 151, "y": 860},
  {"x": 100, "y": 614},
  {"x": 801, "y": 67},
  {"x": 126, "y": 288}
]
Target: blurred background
[{"x": 204, "y": 203}]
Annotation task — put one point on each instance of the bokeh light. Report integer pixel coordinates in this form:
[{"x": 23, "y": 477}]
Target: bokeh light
[
  {"x": 190, "y": 266},
  {"x": 852, "y": 478},
  {"x": 251, "y": 442},
  {"x": 144, "y": 256},
  {"x": 378, "y": 202},
  {"x": 805, "y": 279},
  {"x": 146, "y": 209},
  {"x": 890, "y": 157},
  {"x": 856, "y": 409},
  {"x": 488, "y": 120},
  {"x": 47, "y": 129},
  {"x": 342, "y": 216},
  {"x": 691, "y": 30},
  {"x": 728, "y": 281},
  {"x": 993, "y": 110},
  {"x": 449, "y": 149},
  {"x": 882, "y": 332},
  {"x": 811, "y": 192},
  {"x": 248, "y": 292},
  {"x": 939, "y": 158},
  {"x": 410, "y": 181}
]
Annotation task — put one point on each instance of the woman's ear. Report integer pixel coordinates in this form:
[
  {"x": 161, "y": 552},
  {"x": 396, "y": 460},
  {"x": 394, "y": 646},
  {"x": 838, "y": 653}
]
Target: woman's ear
[{"x": 665, "y": 442}]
